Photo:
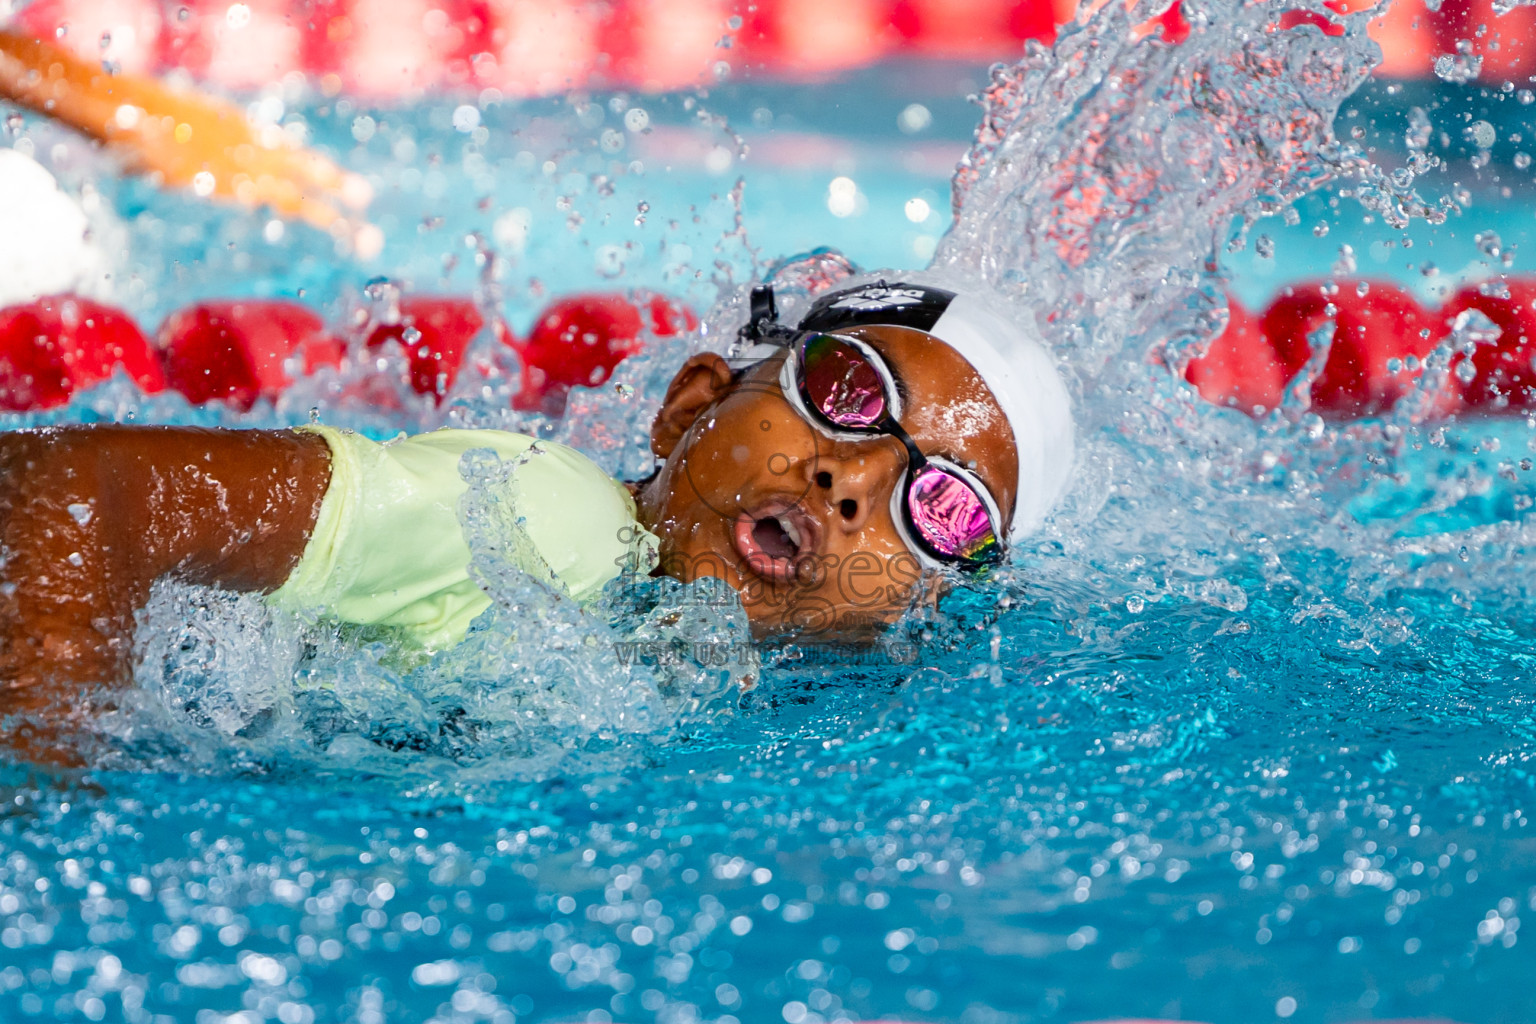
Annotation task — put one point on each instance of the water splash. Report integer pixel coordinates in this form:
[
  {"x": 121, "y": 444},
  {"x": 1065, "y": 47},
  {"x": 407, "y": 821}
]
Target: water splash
[
  {"x": 542, "y": 686},
  {"x": 1221, "y": 714},
  {"x": 1107, "y": 172}
]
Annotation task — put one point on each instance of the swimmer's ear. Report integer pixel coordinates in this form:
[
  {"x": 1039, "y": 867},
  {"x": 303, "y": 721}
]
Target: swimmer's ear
[{"x": 703, "y": 380}]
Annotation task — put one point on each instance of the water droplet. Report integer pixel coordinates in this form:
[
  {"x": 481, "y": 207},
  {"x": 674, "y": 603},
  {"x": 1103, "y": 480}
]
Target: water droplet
[
  {"x": 609, "y": 260},
  {"x": 1458, "y": 68},
  {"x": 914, "y": 118},
  {"x": 81, "y": 512},
  {"x": 1135, "y": 604},
  {"x": 636, "y": 119},
  {"x": 1363, "y": 289},
  {"x": 642, "y": 208},
  {"x": 410, "y": 335},
  {"x": 106, "y": 40},
  {"x": 1265, "y": 247},
  {"x": 842, "y": 196},
  {"x": 1522, "y": 161},
  {"x": 1481, "y": 134},
  {"x": 718, "y": 160},
  {"x": 1346, "y": 264},
  {"x": 1420, "y": 130},
  {"x": 1488, "y": 243},
  {"x": 1321, "y": 230}
]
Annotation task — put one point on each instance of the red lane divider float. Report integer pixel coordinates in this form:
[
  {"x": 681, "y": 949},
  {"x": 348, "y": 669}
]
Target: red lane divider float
[
  {"x": 1380, "y": 334},
  {"x": 1239, "y": 368},
  {"x": 1374, "y": 334},
  {"x": 238, "y": 352},
  {"x": 243, "y": 351},
  {"x": 1504, "y": 373},
  {"x": 56, "y": 346},
  {"x": 395, "y": 48},
  {"x": 434, "y": 333},
  {"x": 579, "y": 340}
]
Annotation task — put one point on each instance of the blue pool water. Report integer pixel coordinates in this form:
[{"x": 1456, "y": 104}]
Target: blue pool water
[{"x": 1247, "y": 736}]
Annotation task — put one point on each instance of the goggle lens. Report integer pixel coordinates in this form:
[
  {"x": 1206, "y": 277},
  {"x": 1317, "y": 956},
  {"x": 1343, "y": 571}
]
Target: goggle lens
[
  {"x": 841, "y": 383},
  {"x": 950, "y": 516}
]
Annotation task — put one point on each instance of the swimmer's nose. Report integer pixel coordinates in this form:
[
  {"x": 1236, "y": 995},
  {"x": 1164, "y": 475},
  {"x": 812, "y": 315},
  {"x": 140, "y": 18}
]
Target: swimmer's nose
[{"x": 857, "y": 486}]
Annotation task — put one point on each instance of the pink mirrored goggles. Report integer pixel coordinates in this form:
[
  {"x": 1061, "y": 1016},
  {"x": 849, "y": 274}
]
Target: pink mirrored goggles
[{"x": 843, "y": 388}]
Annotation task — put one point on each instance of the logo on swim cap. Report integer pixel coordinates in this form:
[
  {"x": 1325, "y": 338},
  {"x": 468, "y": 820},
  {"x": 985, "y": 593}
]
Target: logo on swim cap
[
  {"x": 899, "y": 304},
  {"x": 879, "y": 297}
]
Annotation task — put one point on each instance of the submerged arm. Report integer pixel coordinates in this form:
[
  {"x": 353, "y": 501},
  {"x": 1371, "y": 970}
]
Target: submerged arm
[{"x": 91, "y": 516}]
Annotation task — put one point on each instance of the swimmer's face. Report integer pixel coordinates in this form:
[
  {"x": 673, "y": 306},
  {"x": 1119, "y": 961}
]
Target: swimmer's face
[{"x": 798, "y": 523}]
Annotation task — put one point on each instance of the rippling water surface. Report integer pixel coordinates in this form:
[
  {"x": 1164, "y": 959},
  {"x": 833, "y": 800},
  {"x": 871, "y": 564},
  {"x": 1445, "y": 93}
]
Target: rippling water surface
[{"x": 1245, "y": 736}]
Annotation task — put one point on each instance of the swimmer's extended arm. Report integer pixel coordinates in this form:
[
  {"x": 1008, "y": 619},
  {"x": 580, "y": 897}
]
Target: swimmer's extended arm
[
  {"x": 91, "y": 516},
  {"x": 178, "y": 135}
]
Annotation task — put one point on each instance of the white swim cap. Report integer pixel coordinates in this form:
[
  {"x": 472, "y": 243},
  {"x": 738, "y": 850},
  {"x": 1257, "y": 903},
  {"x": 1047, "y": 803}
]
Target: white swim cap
[
  {"x": 49, "y": 247},
  {"x": 1001, "y": 345}
]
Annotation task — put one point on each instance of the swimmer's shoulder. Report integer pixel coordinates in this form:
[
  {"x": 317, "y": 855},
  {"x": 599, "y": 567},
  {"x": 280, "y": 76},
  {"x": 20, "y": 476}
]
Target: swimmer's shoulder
[
  {"x": 581, "y": 519},
  {"x": 542, "y": 467}
]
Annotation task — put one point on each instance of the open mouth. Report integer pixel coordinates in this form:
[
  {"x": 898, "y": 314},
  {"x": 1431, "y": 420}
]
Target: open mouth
[{"x": 773, "y": 540}]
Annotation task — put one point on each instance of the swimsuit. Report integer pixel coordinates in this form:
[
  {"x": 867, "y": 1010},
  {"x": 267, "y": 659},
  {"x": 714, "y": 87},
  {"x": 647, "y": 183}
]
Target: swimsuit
[{"x": 388, "y": 548}]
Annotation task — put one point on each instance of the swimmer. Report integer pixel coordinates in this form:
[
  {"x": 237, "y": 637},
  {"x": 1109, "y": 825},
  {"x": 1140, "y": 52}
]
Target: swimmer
[
  {"x": 184, "y": 139},
  {"x": 831, "y": 472}
]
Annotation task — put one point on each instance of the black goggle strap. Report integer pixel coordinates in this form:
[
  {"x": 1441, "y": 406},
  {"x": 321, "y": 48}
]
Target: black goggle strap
[{"x": 762, "y": 336}]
